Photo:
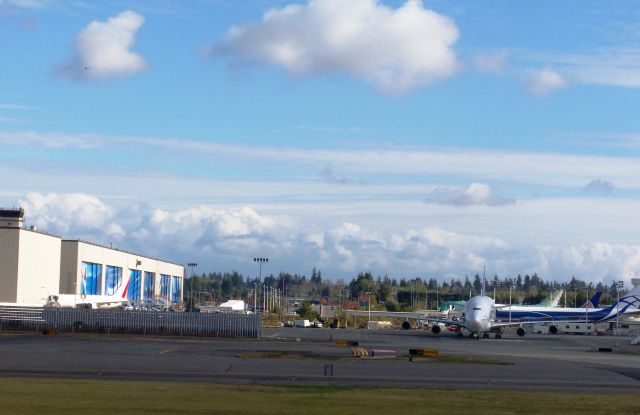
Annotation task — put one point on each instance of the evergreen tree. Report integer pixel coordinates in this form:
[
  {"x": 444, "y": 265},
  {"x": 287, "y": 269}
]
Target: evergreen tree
[{"x": 477, "y": 283}]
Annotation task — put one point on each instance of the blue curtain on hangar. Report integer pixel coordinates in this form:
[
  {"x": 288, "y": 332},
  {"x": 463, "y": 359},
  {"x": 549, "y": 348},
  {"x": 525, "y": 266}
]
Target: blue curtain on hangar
[
  {"x": 133, "y": 293},
  {"x": 176, "y": 295},
  {"x": 92, "y": 279},
  {"x": 149, "y": 285},
  {"x": 113, "y": 279},
  {"x": 165, "y": 281}
]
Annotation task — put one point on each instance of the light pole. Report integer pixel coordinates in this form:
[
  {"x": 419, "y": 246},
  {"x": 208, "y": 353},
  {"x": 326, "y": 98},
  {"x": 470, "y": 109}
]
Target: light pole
[
  {"x": 426, "y": 295},
  {"x": 369, "y": 298},
  {"x": 200, "y": 296},
  {"x": 191, "y": 265},
  {"x": 493, "y": 283},
  {"x": 255, "y": 297},
  {"x": 511, "y": 286},
  {"x": 260, "y": 261},
  {"x": 619, "y": 286}
]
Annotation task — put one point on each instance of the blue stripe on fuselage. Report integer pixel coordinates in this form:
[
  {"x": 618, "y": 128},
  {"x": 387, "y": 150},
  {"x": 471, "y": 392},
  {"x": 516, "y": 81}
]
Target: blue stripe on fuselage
[
  {"x": 553, "y": 315},
  {"x": 626, "y": 304}
]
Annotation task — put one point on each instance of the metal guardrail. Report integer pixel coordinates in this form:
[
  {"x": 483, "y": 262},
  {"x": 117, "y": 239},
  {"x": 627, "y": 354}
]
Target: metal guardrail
[{"x": 134, "y": 322}]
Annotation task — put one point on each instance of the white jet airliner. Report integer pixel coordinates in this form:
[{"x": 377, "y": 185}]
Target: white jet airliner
[
  {"x": 479, "y": 316},
  {"x": 91, "y": 301}
]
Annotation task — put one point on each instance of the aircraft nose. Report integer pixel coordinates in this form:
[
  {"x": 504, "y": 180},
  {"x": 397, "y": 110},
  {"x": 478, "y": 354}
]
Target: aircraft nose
[
  {"x": 474, "y": 321},
  {"x": 478, "y": 322}
]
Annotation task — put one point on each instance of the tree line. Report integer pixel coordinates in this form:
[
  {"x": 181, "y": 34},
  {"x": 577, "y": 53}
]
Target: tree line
[{"x": 386, "y": 292}]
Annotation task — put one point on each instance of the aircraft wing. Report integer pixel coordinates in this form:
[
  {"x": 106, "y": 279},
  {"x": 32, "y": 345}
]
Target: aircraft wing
[
  {"x": 392, "y": 314},
  {"x": 448, "y": 322}
]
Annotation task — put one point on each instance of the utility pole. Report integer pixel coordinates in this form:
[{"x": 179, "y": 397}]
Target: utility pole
[{"x": 619, "y": 286}]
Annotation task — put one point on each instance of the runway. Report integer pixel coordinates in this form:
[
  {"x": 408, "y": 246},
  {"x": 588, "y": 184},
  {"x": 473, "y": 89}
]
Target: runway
[{"x": 293, "y": 356}]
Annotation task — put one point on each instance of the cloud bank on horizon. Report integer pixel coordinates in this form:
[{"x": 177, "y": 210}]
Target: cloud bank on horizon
[{"x": 213, "y": 236}]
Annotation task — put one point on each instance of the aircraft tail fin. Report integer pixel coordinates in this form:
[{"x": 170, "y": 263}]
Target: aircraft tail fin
[
  {"x": 83, "y": 283},
  {"x": 484, "y": 280},
  {"x": 121, "y": 292},
  {"x": 594, "y": 301},
  {"x": 553, "y": 299},
  {"x": 629, "y": 300}
]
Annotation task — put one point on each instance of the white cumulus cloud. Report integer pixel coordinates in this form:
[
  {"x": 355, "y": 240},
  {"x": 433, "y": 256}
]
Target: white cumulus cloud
[
  {"x": 474, "y": 194},
  {"x": 396, "y": 50},
  {"x": 103, "y": 49},
  {"x": 545, "y": 81},
  {"x": 71, "y": 213}
]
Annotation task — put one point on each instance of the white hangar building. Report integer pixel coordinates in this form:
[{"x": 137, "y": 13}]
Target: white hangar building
[{"x": 35, "y": 264}]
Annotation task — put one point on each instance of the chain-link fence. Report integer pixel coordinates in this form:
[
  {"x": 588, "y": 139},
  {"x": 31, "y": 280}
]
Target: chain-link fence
[{"x": 125, "y": 321}]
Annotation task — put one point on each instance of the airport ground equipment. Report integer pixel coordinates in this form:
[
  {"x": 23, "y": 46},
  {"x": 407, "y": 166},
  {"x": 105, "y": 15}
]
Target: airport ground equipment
[
  {"x": 346, "y": 343},
  {"x": 432, "y": 353}
]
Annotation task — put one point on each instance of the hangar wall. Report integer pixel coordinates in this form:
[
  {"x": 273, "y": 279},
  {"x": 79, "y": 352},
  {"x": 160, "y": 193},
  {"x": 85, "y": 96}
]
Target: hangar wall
[
  {"x": 88, "y": 268},
  {"x": 29, "y": 265},
  {"x": 35, "y": 264},
  {"x": 38, "y": 266},
  {"x": 9, "y": 264}
]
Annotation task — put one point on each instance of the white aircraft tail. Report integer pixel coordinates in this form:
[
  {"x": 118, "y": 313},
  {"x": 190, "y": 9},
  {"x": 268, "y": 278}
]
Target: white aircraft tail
[
  {"x": 484, "y": 280},
  {"x": 122, "y": 290},
  {"x": 635, "y": 291},
  {"x": 629, "y": 301},
  {"x": 553, "y": 299}
]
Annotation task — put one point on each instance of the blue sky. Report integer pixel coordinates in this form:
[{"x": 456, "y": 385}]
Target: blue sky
[{"x": 409, "y": 138}]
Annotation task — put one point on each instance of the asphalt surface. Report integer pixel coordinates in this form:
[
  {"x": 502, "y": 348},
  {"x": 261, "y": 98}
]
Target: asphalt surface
[{"x": 311, "y": 356}]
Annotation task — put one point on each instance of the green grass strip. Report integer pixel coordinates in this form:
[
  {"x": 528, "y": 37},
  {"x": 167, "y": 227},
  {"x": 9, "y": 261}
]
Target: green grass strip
[{"x": 26, "y": 396}]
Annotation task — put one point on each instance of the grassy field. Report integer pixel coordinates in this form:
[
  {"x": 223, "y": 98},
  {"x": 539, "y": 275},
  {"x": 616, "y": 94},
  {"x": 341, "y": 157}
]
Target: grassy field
[{"x": 25, "y": 396}]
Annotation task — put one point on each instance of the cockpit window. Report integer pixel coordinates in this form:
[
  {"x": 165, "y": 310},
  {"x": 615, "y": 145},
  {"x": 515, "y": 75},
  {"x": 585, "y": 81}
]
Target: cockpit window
[{"x": 477, "y": 308}]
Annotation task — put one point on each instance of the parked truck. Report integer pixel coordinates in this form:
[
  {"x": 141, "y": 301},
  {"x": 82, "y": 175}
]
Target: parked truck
[
  {"x": 303, "y": 323},
  {"x": 564, "y": 328}
]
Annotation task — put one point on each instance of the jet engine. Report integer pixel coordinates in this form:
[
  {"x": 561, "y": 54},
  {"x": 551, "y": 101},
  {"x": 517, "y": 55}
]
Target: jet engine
[{"x": 435, "y": 329}]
